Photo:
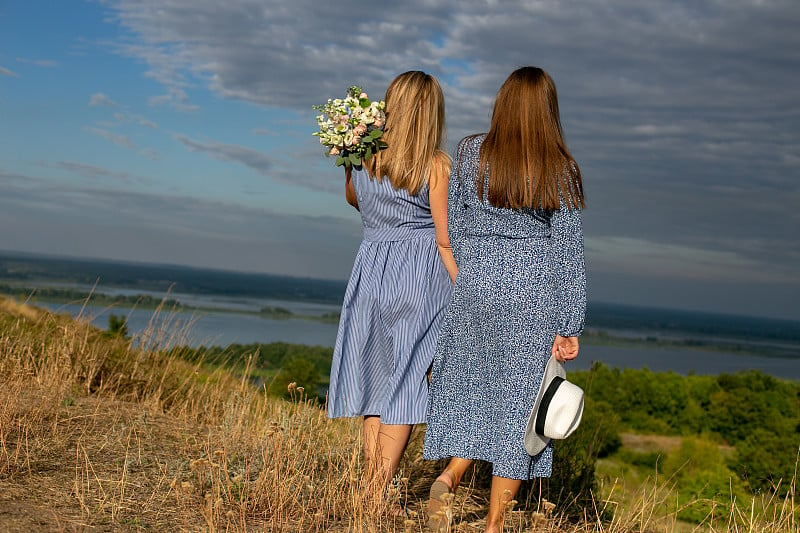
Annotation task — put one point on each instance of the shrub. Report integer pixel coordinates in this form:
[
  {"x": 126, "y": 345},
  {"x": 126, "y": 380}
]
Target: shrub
[
  {"x": 767, "y": 460},
  {"x": 298, "y": 371},
  {"x": 704, "y": 481}
]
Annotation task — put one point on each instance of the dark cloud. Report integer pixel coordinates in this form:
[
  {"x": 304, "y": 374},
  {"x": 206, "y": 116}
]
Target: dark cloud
[
  {"x": 97, "y": 222},
  {"x": 683, "y": 115}
]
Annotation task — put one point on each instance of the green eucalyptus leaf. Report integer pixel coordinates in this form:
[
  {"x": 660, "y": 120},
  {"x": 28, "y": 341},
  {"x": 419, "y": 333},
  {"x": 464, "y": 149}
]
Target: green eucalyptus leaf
[
  {"x": 376, "y": 134},
  {"x": 355, "y": 159},
  {"x": 340, "y": 161}
]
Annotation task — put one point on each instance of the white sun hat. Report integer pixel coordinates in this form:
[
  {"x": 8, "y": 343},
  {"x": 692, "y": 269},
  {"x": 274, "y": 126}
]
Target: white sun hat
[{"x": 557, "y": 411}]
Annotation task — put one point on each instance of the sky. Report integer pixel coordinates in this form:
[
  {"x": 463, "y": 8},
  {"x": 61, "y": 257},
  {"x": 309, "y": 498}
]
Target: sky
[{"x": 179, "y": 131}]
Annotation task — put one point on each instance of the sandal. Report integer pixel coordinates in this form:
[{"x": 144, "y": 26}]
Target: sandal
[{"x": 440, "y": 511}]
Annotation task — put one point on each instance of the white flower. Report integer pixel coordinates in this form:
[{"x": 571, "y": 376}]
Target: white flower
[{"x": 343, "y": 124}]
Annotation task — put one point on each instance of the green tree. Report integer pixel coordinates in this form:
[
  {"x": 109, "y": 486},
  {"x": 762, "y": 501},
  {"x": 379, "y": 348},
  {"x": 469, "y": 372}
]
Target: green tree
[
  {"x": 299, "y": 371},
  {"x": 117, "y": 326},
  {"x": 704, "y": 482},
  {"x": 767, "y": 460}
]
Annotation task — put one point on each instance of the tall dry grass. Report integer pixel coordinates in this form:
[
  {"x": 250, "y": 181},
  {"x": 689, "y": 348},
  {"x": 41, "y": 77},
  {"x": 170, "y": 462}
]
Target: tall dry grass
[{"x": 97, "y": 434}]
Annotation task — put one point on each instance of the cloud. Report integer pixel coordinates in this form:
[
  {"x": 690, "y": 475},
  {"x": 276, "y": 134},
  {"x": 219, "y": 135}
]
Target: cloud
[
  {"x": 116, "y": 138},
  {"x": 91, "y": 171},
  {"x": 248, "y": 157},
  {"x": 176, "y": 229},
  {"x": 282, "y": 169},
  {"x": 662, "y": 81},
  {"x": 682, "y": 115},
  {"x": 266, "y": 52},
  {"x": 135, "y": 119},
  {"x": 123, "y": 141},
  {"x": 660, "y": 260},
  {"x": 101, "y": 100},
  {"x": 655, "y": 97},
  {"x": 142, "y": 121},
  {"x": 176, "y": 98},
  {"x": 150, "y": 153},
  {"x": 44, "y": 63},
  {"x": 6, "y": 72}
]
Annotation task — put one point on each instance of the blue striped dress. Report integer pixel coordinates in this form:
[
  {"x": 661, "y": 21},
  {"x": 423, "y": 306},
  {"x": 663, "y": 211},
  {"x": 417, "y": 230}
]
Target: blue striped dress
[{"x": 392, "y": 310}]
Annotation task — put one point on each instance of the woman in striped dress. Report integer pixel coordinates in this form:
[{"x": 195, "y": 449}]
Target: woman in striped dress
[{"x": 400, "y": 283}]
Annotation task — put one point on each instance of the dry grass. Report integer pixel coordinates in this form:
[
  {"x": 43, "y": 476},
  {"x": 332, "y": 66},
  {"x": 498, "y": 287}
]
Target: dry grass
[{"x": 97, "y": 435}]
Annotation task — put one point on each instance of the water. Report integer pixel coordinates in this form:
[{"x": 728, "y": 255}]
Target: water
[
  {"x": 209, "y": 301},
  {"x": 212, "y": 328},
  {"x": 223, "y": 328},
  {"x": 684, "y": 361}
]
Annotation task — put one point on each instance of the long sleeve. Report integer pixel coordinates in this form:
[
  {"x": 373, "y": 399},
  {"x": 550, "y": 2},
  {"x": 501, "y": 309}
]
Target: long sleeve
[{"x": 568, "y": 260}]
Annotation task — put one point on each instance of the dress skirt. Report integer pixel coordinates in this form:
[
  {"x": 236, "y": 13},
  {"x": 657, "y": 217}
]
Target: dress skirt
[
  {"x": 391, "y": 315},
  {"x": 496, "y": 340}
]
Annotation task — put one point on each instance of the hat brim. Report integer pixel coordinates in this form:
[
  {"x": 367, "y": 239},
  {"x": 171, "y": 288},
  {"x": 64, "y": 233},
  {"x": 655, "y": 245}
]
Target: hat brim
[{"x": 535, "y": 443}]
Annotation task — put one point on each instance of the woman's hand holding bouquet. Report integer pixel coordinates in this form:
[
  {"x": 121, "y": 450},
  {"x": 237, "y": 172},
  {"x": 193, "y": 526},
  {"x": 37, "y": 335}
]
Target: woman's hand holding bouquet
[{"x": 351, "y": 127}]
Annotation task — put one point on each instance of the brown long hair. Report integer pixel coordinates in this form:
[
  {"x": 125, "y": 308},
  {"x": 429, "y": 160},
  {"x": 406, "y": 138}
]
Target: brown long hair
[
  {"x": 524, "y": 153},
  {"x": 414, "y": 131}
]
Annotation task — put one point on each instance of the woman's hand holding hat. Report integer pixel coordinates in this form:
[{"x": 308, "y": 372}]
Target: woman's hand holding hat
[{"x": 565, "y": 348}]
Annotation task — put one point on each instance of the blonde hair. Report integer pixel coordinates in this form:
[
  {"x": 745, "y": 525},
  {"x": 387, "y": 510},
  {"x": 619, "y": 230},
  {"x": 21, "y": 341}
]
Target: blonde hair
[
  {"x": 524, "y": 152},
  {"x": 414, "y": 132}
]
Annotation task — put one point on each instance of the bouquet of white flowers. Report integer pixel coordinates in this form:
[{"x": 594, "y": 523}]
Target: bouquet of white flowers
[{"x": 351, "y": 127}]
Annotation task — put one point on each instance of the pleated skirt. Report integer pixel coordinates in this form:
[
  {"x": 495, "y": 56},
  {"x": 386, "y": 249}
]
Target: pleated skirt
[{"x": 391, "y": 316}]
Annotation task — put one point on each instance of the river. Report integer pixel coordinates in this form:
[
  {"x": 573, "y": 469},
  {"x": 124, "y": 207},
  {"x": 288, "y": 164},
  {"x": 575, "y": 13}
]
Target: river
[{"x": 222, "y": 328}]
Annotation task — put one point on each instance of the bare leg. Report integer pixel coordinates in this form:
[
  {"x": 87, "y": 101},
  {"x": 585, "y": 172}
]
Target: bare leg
[
  {"x": 372, "y": 425},
  {"x": 440, "y": 502},
  {"x": 392, "y": 442},
  {"x": 384, "y": 446},
  {"x": 503, "y": 491},
  {"x": 454, "y": 471}
]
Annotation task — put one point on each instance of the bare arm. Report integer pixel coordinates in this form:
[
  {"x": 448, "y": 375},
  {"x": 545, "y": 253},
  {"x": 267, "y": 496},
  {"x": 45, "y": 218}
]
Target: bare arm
[
  {"x": 440, "y": 174},
  {"x": 349, "y": 190}
]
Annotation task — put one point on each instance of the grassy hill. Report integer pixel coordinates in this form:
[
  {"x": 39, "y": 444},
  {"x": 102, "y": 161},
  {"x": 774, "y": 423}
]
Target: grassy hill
[{"x": 101, "y": 433}]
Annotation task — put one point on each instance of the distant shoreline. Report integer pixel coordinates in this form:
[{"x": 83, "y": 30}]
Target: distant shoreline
[
  {"x": 146, "y": 302},
  {"x": 598, "y": 337},
  {"x": 38, "y": 268},
  {"x": 594, "y": 336}
]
